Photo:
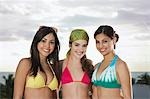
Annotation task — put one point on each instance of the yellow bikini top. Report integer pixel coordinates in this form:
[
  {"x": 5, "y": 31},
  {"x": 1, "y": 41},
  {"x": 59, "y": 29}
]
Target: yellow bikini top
[{"x": 39, "y": 82}]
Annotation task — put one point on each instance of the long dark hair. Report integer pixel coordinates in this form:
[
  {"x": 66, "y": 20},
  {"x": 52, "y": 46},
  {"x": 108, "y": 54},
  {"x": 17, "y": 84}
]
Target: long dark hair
[
  {"x": 35, "y": 58},
  {"x": 108, "y": 31}
]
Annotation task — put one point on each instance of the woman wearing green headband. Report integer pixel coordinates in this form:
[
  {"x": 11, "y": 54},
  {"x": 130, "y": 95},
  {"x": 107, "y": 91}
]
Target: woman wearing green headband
[{"x": 76, "y": 68}]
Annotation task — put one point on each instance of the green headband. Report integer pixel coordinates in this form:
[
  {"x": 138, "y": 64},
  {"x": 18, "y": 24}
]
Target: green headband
[{"x": 78, "y": 34}]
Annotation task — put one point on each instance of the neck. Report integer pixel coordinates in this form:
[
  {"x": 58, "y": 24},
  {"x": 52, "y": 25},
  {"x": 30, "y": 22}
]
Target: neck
[
  {"x": 109, "y": 57},
  {"x": 43, "y": 61},
  {"x": 74, "y": 59}
]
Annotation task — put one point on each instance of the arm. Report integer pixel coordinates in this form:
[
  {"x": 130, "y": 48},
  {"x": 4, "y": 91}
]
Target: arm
[
  {"x": 20, "y": 77},
  {"x": 94, "y": 94},
  {"x": 59, "y": 92},
  {"x": 125, "y": 80},
  {"x": 94, "y": 88}
]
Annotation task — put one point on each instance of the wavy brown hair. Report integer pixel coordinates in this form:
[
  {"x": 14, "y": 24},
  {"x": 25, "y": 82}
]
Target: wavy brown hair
[{"x": 35, "y": 58}]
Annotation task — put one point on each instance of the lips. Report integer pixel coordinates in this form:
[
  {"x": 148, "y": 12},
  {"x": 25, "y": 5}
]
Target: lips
[
  {"x": 79, "y": 53},
  {"x": 102, "y": 50},
  {"x": 46, "y": 50}
]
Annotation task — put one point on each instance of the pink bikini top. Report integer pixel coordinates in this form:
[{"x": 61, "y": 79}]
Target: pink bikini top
[{"x": 67, "y": 78}]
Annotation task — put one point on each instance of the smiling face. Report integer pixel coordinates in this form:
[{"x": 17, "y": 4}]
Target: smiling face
[
  {"x": 46, "y": 45},
  {"x": 78, "y": 48},
  {"x": 104, "y": 44}
]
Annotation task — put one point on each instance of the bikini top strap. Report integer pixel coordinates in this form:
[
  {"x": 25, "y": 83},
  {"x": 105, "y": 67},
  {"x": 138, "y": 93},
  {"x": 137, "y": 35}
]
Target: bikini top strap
[
  {"x": 114, "y": 60},
  {"x": 50, "y": 67}
]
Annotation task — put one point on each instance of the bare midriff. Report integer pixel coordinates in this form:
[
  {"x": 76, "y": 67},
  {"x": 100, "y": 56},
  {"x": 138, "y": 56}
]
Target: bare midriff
[
  {"x": 38, "y": 93},
  {"x": 109, "y": 93},
  {"x": 75, "y": 90}
]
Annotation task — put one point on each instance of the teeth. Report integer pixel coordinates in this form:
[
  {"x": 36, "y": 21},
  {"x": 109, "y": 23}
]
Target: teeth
[
  {"x": 46, "y": 50},
  {"x": 80, "y": 53},
  {"x": 102, "y": 50}
]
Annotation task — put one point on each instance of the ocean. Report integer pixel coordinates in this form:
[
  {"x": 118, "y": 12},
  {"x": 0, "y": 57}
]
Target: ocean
[
  {"x": 140, "y": 91},
  {"x": 134, "y": 75}
]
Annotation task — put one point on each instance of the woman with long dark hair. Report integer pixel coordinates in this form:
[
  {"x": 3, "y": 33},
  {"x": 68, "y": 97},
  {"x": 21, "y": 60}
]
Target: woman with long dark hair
[{"x": 35, "y": 76}]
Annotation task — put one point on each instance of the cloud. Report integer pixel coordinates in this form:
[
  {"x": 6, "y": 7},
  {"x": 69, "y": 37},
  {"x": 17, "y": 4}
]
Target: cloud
[
  {"x": 8, "y": 38},
  {"x": 14, "y": 8},
  {"x": 22, "y": 18},
  {"x": 79, "y": 20},
  {"x": 142, "y": 37}
]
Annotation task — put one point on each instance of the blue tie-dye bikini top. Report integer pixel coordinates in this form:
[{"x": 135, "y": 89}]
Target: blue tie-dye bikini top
[{"x": 108, "y": 77}]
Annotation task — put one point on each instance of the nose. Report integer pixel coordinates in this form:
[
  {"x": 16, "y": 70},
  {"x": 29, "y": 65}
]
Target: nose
[
  {"x": 47, "y": 45},
  {"x": 99, "y": 45},
  {"x": 82, "y": 48}
]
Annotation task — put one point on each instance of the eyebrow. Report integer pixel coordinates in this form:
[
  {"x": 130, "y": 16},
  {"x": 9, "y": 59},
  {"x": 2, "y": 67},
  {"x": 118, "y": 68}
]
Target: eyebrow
[
  {"x": 50, "y": 40},
  {"x": 80, "y": 44},
  {"x": 103, "y": 39}
]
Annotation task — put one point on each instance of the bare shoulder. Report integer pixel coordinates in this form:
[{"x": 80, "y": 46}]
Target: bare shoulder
[
  {"x": 64, "y": 63},
  {"x": 24, "y": 65},
  {"x": 122, "y": 66},
  {"x": 25, "y": 62}
]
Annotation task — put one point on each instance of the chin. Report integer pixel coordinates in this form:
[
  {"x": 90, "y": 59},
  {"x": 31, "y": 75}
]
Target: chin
[
  {"x": 45, "y": 54},
  {"x": 104, "y": 53},
  {"x": 79, "y": 56}
]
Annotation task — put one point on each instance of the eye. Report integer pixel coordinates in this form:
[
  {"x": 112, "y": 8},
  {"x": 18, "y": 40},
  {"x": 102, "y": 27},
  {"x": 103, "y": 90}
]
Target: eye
[
  {"x": 76, "y": 44},
  {"x": 52, "y": 42},
  {"x": 43, "y": 40},
  {"x": 105, "y": 41},
  {"x": 97, "y": 42},
  {"x": 85, "y": 45}
]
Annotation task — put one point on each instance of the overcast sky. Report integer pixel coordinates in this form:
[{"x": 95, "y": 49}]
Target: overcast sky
[{"x": 20, "y": 19}]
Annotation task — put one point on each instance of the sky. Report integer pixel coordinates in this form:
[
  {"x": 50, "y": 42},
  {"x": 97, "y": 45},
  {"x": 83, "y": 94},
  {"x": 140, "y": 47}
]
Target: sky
[{"x": 20, "y": 19}]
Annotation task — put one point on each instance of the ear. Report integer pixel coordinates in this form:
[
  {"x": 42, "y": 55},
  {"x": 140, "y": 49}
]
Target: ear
[
  {"x": 114, "y": 40},
  {"x": 69, "y": 45}
]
